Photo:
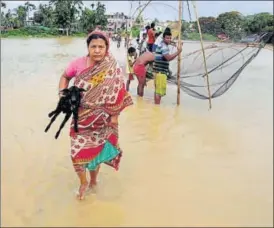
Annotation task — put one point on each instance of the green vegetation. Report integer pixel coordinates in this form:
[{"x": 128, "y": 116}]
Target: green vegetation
[
  {"x": 36, "y": 32},
  {"x": 135, "y": 31},
  {"x": 58, "y": 18},
  {"x": 196, "y": 36},
  {"x": 233, "y": 24}
]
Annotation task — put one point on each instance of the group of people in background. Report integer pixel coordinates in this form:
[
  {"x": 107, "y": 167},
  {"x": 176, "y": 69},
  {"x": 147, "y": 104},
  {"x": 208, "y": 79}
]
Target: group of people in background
[{"x": 154, "y": 52}]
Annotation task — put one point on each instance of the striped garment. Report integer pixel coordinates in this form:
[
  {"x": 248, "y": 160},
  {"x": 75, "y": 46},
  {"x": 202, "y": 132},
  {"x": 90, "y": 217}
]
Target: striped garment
[{"x": 160, "y": 64}]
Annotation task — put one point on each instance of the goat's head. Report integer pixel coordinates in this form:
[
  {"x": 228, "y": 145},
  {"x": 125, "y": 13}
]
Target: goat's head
[{"x": 75, "y": 94}]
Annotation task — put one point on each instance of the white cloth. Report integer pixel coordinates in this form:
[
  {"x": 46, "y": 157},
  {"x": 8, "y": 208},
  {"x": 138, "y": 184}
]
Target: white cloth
[
  {"x": 143, "y": 31},
  {"x": 143, "y": 48},
  {"x": 159, "y": 40}
]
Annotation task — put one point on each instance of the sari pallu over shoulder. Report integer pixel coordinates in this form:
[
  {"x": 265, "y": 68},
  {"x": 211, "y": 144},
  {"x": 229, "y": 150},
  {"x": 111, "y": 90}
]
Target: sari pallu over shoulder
[{"x": 105, "y": 87}]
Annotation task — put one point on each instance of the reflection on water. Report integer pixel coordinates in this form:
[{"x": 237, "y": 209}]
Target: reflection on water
[{"x": 182, "y": 166}]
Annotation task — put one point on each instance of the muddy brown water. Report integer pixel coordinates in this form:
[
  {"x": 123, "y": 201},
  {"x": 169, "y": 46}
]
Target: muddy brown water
[{"x": 182, "y": 166}]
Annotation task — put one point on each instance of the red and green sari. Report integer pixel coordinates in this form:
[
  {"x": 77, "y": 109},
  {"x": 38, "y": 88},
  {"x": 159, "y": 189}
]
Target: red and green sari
[{"x": 105, "y": 96}]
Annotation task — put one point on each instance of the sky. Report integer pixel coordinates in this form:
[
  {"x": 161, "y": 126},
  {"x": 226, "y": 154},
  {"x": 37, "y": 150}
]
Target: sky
[{"x": 167, "y": 10}]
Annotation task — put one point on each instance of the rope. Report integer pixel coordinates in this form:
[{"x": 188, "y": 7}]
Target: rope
[{"x": 188, "y": 10}]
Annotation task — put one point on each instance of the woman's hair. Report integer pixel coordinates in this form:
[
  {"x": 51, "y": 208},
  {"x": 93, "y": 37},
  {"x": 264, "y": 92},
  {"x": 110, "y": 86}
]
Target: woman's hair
[
  {"x": 131, "y": 50},
  {"x": 152, "y": 25},
  {"x": 95, "y": 37}
]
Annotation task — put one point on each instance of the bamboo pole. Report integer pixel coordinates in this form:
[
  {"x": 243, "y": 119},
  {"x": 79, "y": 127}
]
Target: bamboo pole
[
  {"x": 141, "y": 10},
  {"x": 203, "y": 51},
  {"x": 179, "y": 56}
]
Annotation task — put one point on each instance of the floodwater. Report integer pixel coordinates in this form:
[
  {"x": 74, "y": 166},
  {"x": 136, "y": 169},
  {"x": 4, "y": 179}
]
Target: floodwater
[{"x": 182, "y": 166}]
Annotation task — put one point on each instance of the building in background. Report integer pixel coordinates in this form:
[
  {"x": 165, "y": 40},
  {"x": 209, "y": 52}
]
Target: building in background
[{"x": 118, "y": 21}]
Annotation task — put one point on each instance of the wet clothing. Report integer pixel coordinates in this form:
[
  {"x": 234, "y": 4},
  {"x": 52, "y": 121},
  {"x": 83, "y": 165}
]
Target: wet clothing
[
  {"x": 139, "y": 70},
  {"x": 161, "y": 68},
  {"x": 151, "y": 36},
  {"x": 130, "y": 68},
  {"x": 150, "y": 47},
  {"x": 96, "y": 142},
  {"x": 160, "y": 84},
  {"x": 160, "y": 63}
]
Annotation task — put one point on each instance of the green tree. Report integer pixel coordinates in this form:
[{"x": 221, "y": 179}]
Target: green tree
[
  {"x": 139, "y": 20},
  {"x": 44, "y": 15},
  {"x": 185, "y": 26},
  {"x": 8, "y": 19},
  {"x": 91, "y": 18},
  {"x": 21, "y": 16},
  {"x": 3, "y": 5},
  {"x": 259, "y": 23},
  {"x": 66, "y": 12},
  {"x": 29, "y": 7},
  {"x": 231, "y": 23},
  {"x": 208, "y": 25},
  {"x": 87, "y": 19},
  {"x": 100, "y": 16}
]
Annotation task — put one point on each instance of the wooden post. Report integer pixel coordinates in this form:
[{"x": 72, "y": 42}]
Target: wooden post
[
  {"x": 179, "y": 56},
  {"x": 203, "y": 51}
]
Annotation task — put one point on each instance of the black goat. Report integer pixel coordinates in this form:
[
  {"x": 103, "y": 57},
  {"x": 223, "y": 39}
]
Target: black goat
[{"x": 68, "y": 104}]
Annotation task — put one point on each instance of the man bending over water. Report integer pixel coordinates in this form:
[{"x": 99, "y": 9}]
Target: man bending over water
[{"x": 139, "y": 69}]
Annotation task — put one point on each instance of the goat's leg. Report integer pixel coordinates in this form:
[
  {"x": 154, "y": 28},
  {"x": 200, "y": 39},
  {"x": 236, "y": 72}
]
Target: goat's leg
[
  {"x": 75, "y": 118},
  {"x": 63, "y": 124},
  {"x": 52, "y": 113},
  {"x": 52, "y": 120}
]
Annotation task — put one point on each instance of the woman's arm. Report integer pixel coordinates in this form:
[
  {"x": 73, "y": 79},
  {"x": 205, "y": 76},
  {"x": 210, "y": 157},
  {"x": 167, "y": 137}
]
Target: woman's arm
[{"x": 64, "y": 82}]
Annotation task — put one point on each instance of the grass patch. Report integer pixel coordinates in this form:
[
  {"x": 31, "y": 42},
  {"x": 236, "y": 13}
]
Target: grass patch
[
  {"x": 36, "y": 32},
  {"x": 44, "y": 32},
  {"x": 196, "y": 36}
]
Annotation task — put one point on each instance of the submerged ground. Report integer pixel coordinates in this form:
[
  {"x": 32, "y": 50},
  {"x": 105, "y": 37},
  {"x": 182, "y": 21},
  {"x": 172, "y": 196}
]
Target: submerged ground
[{"x": 182, "y": 166}]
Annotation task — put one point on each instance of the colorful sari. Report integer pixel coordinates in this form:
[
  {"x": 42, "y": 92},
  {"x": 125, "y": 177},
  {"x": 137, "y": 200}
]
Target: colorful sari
[{"x": 105, "y": 96}]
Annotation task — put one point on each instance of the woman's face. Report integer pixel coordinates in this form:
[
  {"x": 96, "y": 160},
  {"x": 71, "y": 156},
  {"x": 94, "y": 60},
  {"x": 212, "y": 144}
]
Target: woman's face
[{"x": 97, "y": 49}]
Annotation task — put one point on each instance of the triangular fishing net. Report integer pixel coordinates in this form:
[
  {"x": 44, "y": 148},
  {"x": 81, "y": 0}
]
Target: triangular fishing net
[
  {"x": 224, "y": 65},
  {"x": 225, "y": 61}
]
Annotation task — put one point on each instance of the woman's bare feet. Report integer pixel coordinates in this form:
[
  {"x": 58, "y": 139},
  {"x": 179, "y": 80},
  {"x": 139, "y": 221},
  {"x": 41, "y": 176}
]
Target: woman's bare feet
[
  {"x": 82, "y": 191},
  {"x": 92, "y": 186},
  {"x": 93, "y": 179}
]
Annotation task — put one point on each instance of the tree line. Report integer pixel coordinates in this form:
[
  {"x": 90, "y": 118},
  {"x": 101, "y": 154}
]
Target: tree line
[
  {"x": 72, "y": 15},
  {"x": 67, "y": 15},
  {"x": 233, "y": 24}
]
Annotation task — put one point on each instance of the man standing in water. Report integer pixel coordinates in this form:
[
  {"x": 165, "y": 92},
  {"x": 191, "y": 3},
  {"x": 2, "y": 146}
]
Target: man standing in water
[
  {"x": 151, "y": 37},
  {"x": 161, "y": 66}
]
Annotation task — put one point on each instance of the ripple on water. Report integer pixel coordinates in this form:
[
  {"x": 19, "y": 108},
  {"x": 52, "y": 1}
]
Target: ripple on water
[{"x": 207, "y": 168}]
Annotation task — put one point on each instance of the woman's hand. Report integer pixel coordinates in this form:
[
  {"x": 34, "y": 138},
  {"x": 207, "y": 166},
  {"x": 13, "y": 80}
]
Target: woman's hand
[{"x": 114, "y": 119}]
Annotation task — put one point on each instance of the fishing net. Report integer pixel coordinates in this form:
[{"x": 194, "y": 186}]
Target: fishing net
[
  {"x": 224, "y": 65},
  {"x": 225, "y": 61}
]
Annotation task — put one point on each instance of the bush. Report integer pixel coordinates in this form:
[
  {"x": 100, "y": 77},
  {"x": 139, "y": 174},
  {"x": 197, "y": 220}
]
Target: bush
[
  {"x": 33, "y": 31},
  {"x": 135, "y": 31},
  {"x": 268, "y": 29}
]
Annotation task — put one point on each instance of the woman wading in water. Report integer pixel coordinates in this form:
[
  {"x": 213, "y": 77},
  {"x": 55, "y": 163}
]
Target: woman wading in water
[{"x": 104, "y": 99}]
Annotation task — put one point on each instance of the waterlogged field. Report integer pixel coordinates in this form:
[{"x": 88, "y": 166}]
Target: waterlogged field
[{"x": 182, "y": 166}]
